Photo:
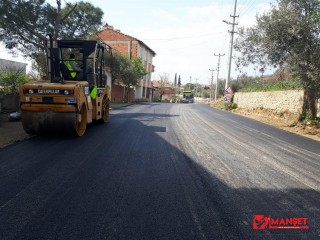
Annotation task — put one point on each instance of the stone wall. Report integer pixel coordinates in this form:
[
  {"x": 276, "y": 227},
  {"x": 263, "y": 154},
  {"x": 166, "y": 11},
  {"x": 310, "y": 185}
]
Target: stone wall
[{"x": 278, "y": 101}]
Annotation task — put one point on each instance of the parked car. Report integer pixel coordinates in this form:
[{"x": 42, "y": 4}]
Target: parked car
[{"x": 15, "y": 116}]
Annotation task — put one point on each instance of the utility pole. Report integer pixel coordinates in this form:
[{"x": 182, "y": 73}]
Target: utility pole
[
  {"x": 190, "y": 83},
  {"x": 218, "y": 69},
  {"x": 232, "y": 32},
  {"x": 211, "y": 83},
  {"x": 196, "y": 86}
]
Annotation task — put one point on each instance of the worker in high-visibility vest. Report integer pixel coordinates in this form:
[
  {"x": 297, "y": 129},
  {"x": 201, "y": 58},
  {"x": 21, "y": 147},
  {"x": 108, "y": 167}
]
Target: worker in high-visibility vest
[{"x": 75, "y": 71}]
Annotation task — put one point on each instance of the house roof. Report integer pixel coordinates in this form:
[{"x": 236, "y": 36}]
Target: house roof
[
  {"x": 110, "y": 34},
  {"x": 158, "y": 83},
  {"x": 168, "y": 91}
]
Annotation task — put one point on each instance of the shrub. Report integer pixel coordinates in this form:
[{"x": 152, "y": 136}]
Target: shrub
[
  {"x": 10, "y": 82},
  {"x": 228, "y": 106},
  {"x": 294, "y": 84}
]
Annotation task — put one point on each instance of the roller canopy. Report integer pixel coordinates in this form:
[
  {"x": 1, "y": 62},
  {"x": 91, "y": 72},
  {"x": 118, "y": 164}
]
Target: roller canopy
[{"x": 87, "y": 46}]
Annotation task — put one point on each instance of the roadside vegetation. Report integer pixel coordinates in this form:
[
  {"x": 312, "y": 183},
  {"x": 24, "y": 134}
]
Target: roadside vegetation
[
  {"x": 287, "y": 37},
  {"x": 228, "y": 106},
  {"x": 126, "y": 71},
  {"x": 11, "y": 79},
  {"x": 294, "y": 84}
]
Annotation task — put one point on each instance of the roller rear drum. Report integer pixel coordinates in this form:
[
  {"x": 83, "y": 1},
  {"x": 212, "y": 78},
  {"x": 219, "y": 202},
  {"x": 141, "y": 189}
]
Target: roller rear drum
[{"x": 55, "y": 122}]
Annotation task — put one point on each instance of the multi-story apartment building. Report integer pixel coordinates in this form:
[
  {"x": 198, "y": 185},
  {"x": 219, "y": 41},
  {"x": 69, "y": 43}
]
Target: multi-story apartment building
[{"x": 132, "y": 47}]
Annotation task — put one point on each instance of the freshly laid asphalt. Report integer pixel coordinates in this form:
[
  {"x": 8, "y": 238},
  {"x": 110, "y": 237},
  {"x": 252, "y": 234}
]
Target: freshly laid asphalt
[{"x": 161, "y": 171}]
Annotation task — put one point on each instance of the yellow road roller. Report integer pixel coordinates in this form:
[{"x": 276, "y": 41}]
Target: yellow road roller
[{"x": 68, "y": 100}]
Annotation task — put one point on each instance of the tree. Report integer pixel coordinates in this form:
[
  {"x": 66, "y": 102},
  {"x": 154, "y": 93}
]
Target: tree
[
  {"x": 24, "y": 25},
  {"x": 288, "y": 36},
  {"x": 133, "y": 72},
  {"x": 118, "y": 62},
  {"x": 127, "y": 72},
  {"x": 189, "y": 86},
  {"x": 164, "y": 82},
  {"x": 39, "y": 65},
  {"x": 205, "y": 92},
  {"x": 175, "y": 80}
]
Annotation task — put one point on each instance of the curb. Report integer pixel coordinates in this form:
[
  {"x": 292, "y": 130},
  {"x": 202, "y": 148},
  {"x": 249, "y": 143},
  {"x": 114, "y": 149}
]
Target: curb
[{"x": 120, "y": 105}]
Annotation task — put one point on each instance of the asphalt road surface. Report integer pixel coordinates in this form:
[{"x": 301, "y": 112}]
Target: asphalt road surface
[{"x": 162, "y": 171}]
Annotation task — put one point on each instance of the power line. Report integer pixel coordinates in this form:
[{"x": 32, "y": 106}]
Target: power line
[
  {"x": 179, "y": 38},
  {"x": 246, "y": 6},
  {"x": 197, "y": 43}
]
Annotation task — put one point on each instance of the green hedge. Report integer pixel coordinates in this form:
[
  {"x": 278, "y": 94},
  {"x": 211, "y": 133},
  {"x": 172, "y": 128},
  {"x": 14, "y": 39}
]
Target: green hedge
[{"x": 277, "y": 86}]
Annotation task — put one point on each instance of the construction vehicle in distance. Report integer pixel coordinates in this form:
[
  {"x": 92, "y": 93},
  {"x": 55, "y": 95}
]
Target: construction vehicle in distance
[
  {"x": 62, "y": 103},
  {"x": 188, "y": 96}
]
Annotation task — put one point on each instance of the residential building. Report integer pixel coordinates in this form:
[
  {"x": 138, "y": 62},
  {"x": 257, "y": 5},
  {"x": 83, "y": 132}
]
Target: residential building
[
  {"x": 132, "y": 47},
  {"x": 164, "y": 91},
  {"x": 8, "y": 65}
]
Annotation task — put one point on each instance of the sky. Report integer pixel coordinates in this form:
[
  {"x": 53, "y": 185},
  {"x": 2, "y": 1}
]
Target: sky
[{"x": 185, "y": 34}]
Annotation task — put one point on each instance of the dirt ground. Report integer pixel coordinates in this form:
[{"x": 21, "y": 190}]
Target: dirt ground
[
  {"x": 283, "y": 120},
  {"x": 10, "y": 132}
]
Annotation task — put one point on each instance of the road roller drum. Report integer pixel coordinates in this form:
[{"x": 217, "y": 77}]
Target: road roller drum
[{"x": 50, "y": 122}]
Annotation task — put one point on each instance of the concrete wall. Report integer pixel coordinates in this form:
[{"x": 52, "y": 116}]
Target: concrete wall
[
  {"x": 119, "y": 92},
  {"x": 9, "y": 103},
  {"x": 279, "y": 101}
]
